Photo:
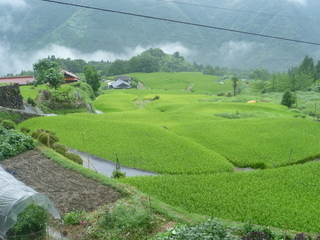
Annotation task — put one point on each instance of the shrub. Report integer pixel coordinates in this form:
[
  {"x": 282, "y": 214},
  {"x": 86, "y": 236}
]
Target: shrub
[
  {"x": 229, "y": 94},
  {"x": 31, "y": 102},
  {"x": 118, "y": 174},
  {"x": 8, "y": 124},
  {"x": 60, "y": 148},
  {"x": 156, "y": 97},
  {"x": 24, "y": 130},
  {"x": 13, "y": 142},
  {"x": 257, "y": 236},
  {"x": 129, "y": 219},
  {"x": 287, "y": 99},
  {"x": 74, "y": 218},
  {"x": 45, "y": 137},
  {"x": 33, "y": 221},
  {"x": 74, "y": 157},
  {"x": 252, "y": 233},
  {"x": 212, "y": 229}
]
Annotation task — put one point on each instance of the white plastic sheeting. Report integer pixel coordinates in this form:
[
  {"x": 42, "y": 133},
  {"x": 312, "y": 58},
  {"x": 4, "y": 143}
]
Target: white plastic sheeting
[{"x": 15, "y": 196}]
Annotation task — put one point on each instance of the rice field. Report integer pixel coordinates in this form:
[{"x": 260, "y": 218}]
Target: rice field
[
  {"x": 286, "y": 198},
  {"x": 137, "y": 145},
  {"x": 196, "y": 140},
  {"x": 256, "y": 143},
  {"x": 195, "y": 82}
]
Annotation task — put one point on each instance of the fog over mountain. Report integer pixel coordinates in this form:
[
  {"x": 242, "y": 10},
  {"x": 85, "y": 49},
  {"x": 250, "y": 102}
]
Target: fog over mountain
[{"x": 34, "y": 29}]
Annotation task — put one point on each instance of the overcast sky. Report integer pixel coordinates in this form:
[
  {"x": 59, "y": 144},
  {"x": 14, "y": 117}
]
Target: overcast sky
[{"x": 13, "y": 3}]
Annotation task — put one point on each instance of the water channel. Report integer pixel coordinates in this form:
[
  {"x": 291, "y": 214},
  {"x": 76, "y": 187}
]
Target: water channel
[{"x": 106, "y": 167}]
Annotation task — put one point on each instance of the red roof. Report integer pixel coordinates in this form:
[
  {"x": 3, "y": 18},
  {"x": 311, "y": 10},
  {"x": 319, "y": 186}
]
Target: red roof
[{"x": 21, "y": 80}]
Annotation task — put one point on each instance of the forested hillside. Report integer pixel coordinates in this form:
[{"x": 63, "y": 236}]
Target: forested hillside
[{"x": 39, "y": 24}]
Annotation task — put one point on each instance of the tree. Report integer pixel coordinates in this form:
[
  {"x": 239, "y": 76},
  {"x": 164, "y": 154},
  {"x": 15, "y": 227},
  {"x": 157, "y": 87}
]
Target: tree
[
  {"x": 235, "y": 84},
  {"x": 92, "y": 77},
  {"x": 48, "y": 72},
  {"x": 287, "y": 99},
  {"x": 118, "y": 67}
]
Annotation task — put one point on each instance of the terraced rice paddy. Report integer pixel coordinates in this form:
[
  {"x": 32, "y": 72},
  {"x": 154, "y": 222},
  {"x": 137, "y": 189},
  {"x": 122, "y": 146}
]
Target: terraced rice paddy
[{"x": 187, "y": 137}]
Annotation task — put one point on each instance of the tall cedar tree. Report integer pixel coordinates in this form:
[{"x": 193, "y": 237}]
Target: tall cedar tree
[
  {"x": 234, "y": 84},
  {"x": 287, "y": 99},
  {"x": 92, "y": 77}
]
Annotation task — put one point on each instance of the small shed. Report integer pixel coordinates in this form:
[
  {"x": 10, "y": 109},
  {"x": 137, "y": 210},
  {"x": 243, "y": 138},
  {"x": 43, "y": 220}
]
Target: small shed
[{"x": 15, "y": 196}]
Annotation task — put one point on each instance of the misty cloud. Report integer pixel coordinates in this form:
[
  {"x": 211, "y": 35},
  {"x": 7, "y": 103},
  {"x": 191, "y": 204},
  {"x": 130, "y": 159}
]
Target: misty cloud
[
  {"x": 14, "y": 3},
  {"x": 303, "y": 2},
  {"x": 234, "y": 53},
  {"x": 14, "y": 62}
]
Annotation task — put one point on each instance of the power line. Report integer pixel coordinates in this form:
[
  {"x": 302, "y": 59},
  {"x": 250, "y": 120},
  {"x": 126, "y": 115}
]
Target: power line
[
  {"x": 219, "y": 8},
  {"x": 229, "y": 9},
  {"x": 185, "y": 23}
]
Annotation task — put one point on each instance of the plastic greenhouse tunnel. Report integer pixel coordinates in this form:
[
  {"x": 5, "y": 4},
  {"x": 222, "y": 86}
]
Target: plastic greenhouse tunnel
[{"x": 15, "y": 196}]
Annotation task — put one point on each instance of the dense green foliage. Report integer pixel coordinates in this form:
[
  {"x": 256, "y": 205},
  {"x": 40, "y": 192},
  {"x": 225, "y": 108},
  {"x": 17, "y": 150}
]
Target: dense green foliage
[
  {"x": 92, "y": 77},
  {"x": 13, "y": 142},
  {"x": 212, "y": 229},
  {"x": 287, "y": 99},
  {"x": 48, "y": 72}
]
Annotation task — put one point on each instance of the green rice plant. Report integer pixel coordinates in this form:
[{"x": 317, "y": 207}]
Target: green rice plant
[
  {"x": 256, "y": 143},
  {"x": 201, "y": 84},
  {"x": 116, "y": 102},
  {"x": 138, "y": 145},
  {"x": 29, "y": 91},
  {"x": 286, "y": 198}
]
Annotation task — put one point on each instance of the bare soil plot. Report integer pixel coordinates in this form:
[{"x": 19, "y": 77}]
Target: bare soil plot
[{"x": 68, "y": 190}]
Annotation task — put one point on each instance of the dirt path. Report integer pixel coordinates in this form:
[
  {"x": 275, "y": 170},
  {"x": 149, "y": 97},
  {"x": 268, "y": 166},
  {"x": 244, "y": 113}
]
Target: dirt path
[{"x": 68, "y": 190}]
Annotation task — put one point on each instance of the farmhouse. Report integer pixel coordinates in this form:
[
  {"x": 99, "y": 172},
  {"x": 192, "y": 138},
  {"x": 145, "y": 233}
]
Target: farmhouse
[
  {"x": 121, "y": 82},
  {"x": 70, "y": 77},
  {"x": 22, "y": 80}
]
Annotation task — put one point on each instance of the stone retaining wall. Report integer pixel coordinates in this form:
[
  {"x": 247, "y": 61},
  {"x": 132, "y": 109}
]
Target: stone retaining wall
[{"x": 10, "y": 97}]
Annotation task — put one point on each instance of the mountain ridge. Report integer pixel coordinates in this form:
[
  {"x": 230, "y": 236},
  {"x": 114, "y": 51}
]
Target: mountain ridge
[{"x": 42, "y": 24}]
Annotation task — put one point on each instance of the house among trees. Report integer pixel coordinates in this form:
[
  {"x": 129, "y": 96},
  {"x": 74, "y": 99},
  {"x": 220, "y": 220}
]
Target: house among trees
[
  {"x": 21, "y": 80},
  {"x": 70, "y": 77},
  {"x": 25, "y": 80},
  {"x": 121, "y": 82}
]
